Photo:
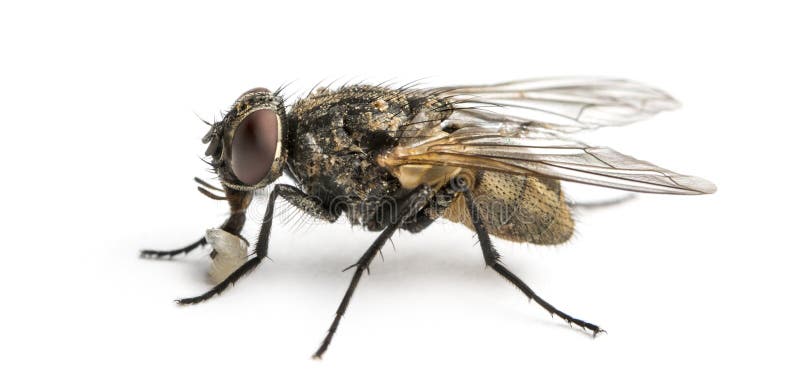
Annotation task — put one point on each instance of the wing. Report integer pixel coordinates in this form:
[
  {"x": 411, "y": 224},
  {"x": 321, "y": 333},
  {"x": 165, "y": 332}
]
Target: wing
[
  {"x": 566, "y": 104},
  {"x": 496, "y": 147}
]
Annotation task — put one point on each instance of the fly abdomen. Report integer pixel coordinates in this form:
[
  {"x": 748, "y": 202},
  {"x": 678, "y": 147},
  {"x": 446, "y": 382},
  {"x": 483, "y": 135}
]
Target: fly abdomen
[{"x": 518, "y": 208}]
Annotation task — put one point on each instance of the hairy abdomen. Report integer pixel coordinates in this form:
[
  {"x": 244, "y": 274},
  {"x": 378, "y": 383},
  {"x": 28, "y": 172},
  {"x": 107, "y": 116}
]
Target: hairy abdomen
[{"x": 518, "y": 208}]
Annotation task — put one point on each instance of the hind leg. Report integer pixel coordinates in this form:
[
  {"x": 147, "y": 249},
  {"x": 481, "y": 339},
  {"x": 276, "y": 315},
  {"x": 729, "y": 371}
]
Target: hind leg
[{"x": 492, "y": 259}]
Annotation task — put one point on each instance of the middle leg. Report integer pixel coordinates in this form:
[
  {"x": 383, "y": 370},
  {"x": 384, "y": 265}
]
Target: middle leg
[{"x": 408, "y": 209}]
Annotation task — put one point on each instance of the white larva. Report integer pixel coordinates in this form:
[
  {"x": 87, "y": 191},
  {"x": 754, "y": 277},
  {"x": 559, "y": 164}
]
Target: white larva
[{"x": 231, "y": 254}]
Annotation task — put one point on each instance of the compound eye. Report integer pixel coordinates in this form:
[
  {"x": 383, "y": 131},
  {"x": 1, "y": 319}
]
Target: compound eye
[{"x": 254, "y": 145}]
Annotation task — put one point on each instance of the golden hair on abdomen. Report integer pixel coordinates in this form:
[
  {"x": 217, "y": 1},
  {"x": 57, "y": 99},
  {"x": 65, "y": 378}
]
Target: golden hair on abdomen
[{"x": 518, "y": 208}]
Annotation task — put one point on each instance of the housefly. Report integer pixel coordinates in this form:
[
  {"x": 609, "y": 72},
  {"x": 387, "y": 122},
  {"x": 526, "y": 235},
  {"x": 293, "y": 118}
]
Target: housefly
[{"x": 491, "y": 157}]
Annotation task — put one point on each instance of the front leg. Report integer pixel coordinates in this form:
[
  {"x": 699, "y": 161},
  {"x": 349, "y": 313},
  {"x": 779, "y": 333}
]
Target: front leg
[
  {"x": 238, "y": 202},
  {"x": 296, "y": 197}
]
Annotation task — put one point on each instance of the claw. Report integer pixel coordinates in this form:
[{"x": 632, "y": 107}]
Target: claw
[{"x": 189, "y": 301}]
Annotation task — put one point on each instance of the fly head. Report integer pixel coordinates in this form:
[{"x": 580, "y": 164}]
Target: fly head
[{"x": 248, "y": 146}]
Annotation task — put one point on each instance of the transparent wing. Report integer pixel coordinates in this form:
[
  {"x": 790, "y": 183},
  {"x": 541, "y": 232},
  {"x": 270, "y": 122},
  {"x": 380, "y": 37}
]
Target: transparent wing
[
  {"x": 565, "y": 104},
  {"x": 526, "y": 152}
]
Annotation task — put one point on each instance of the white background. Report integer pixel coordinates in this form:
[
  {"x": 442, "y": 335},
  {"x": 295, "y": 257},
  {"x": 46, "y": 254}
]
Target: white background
[{"x": 100, "y": 142}]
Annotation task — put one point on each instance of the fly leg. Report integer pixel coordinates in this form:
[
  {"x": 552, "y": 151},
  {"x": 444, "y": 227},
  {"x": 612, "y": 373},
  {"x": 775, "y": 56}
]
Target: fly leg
[
  {"x": 296, "y": 197},
  {"x": 408, "y": 209},
  {"x": 441, "y": 200},
  {"x": 592, "y": 205},
  {"x": 169, "y": 254},
  {"x": 238, "y": 201},
  {"x": 492, "y": 259}
]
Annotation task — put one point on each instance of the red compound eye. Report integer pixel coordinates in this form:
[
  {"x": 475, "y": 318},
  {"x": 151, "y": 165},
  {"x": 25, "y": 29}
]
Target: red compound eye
[{"x": 254, "y": 145}]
